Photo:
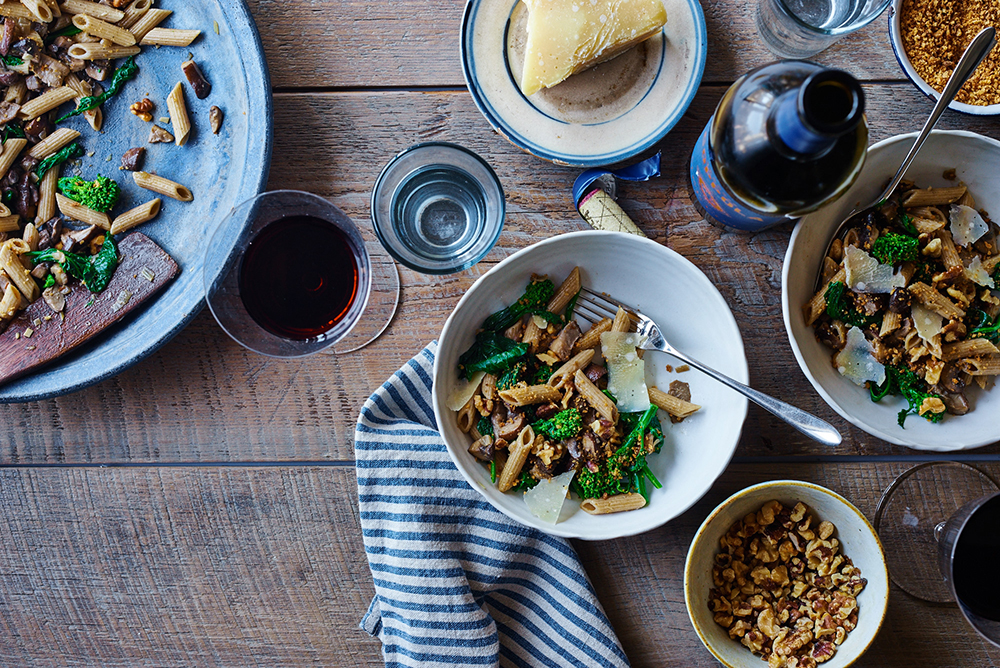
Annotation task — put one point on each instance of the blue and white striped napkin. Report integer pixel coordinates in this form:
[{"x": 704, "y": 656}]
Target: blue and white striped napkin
[{"x": 457, "y": 582}]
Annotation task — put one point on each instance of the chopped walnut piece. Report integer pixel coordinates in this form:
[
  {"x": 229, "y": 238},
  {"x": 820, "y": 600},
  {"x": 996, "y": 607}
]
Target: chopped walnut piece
[
  {"x": 143, "y": 109},
  {"x": 783, "y": 588}
]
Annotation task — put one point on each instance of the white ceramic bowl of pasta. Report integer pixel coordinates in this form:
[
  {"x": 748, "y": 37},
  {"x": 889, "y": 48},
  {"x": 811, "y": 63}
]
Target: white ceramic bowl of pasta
[
  {"x": 858, "y": 541},
  {"x": 693, "y": 316},
  {"x": 975, "y": 159}
]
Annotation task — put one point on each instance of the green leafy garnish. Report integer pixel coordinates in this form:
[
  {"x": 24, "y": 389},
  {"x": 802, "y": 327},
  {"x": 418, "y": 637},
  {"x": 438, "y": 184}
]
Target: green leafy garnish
[
  {"x": 840, "y": 307},
  {"x": 67, "y": 152},
  {"x": 68, "y": 31},
  {"x": 12, "y": 131},
  {"x": 986, "y": 329},
  {"x": 511, "y": 376},
  {"x": 626, "y": 469},
  {"x": 535, "y": 296},
  {"x": 542, "y": 375},
  {"x": 525, "y": 482},
  {"x": 894, "y": 248},
  {"x": 12, "y": 61},
  {"x": 101, "y": 194},
  {"x": 564, "y": 424},
  {"x": 95, "y": 271},
  {"x": 493, "y": 471},
  {"x": 900, "y": 380},
  {"x": 127, "y": 71},
  {"x": 570, "y": 307},
  {"x": 484, "y": 426},
  {"x": 906, "y": 222},
  {"x": 50, "y": 280},
  {"x": 492, "y": 352}
]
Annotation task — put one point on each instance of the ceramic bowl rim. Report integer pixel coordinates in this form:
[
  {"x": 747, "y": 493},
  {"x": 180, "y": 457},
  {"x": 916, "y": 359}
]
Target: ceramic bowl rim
[{"x": 699, "y": 536}]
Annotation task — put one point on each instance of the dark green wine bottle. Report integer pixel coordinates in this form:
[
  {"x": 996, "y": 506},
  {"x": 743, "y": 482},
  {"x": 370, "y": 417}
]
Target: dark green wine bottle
[{"x": 785, "y": 139}]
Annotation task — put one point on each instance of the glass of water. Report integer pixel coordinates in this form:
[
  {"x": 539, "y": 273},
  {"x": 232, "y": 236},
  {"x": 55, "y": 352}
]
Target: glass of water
[
  {"x": 438, "y": 208},
  {"x": 802, "y": 28}
]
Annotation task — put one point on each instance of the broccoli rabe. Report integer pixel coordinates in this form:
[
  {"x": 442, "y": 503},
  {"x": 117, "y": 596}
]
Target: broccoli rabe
[
  {"x": 535, "y": 297},
  {"x": 626, "y": 469},
  {"x": 900, "y": 380},
  {"x": 101, "y": 194},
  {"x": 484, "y": 426},
  {"x": 894, "y": 248},
  {"x": 526, "y": 482},
  {"x": 511, "y": 376},
  {"x": 564, "y": 424},
  {"x": 542, "y": 375},
  {"x": 840, "y": 307}
]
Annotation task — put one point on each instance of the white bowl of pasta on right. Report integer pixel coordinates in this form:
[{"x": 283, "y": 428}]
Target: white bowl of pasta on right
[{"x": 967, "y": 409}]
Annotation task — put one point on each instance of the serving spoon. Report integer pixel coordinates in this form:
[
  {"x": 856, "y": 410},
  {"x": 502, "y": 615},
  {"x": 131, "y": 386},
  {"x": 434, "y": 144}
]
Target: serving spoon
[{"x": 975, "y": 53}]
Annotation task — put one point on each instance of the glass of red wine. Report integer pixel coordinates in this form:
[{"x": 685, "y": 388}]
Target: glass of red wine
[
  {"x": 940, "y": 525},
  {"x": 288, "y": 274}
]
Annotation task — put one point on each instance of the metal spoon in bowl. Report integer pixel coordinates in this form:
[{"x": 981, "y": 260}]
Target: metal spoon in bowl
[{"x": 975, "y": 53}]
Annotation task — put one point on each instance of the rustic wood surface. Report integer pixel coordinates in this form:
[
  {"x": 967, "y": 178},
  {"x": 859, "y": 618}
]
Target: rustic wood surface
[
  {"x": 240, "y": 566},
  {"x": 200, "y": 508}
]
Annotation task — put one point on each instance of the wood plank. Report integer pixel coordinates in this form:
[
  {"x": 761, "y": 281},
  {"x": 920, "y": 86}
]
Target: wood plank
[
  {"x": 209, "y": 566},
  {"x": 343, "y": 43},
  {"x": 204, "y": 398}
]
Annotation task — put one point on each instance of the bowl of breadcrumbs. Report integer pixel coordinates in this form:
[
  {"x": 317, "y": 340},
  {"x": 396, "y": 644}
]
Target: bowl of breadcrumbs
[{"x": 928, "y": 38}]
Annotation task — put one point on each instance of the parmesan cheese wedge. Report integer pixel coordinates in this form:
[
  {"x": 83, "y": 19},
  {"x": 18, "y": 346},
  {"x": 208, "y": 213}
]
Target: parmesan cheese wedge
[
  {"x": 976, "y": 273},
  {"x": 463, "y": 391},
  {"x": 967, "y": 226},
  {"x": 545, "y": 500},
  {"x": 857, "y": 362},
  {"x": 626, "y": 370},
  {"x": 866, "y": 274},
  {"x": 569, "y": 36},
  {"x": 927, "y": 323}
]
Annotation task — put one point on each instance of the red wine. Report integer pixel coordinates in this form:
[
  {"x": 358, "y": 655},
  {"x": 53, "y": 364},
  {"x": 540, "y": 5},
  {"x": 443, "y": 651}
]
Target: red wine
[
  {"x": 299, "y": 277},
  {"x": 973, "y": 569}
]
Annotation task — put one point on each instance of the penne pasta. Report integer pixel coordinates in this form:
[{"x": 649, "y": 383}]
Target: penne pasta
[
  {"x": 621, "y": 323},
  {"x": 39, "y": 9},
  {"x": 178, "y": 115},
  {"x": 134, "y": 12},
  {"x": 597, "y": 399},
  {"x": 890, "y": 323},
  {"x": 101, "y": 51},
  {"x": 11, "y": 149},
  {"x": 518, "y": 452},
  {"x": 16, "y": 10},
  {"x": 47, "y": 195},
  {"x": 933, "y": 196},
  {"x": 927, "y": 226},
  {"x": 149, "y": 20},
  {"x": 136, "y": 216},
  {"x": 816, "y": 306},
  {"x": 53, "y": 143},
  {"x": 981, "y": 366},
  {"x": 77, "y": 211},
  {"x": 671, "y": 404},
  {"x": 531, "y": 394},
  {"x": 17, "y": 92},
  {"x": 47, "y": 101},
  {"x": 613, "y": 504},
  {"x": 467, "y": 415},
  {"x": 10, "y": 263},
  {"x": 592, "y": 338},
  {"x": 967, "y": 348},
  {"x": 935, "y": 301},
  {"x": 10, "y": 223},
  {"x": 30, "y": 236},
  {"x": 103, "y": 30},
  {"x": 949, "y": 254},
  {"x": 95, "y": 9},
  {"x": 93, "y": 116},
  {"x": 169, "y": 37},
  {"x": 10, "y": 302},
  {"x": 576, "y": 363},
  {"x": 565, "y": 292},
  {"x": 163, "y": 186}
]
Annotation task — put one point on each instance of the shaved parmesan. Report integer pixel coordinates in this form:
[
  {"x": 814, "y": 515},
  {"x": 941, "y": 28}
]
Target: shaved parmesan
[
  {"x": 626, "y": 370},
  {"x": 463, "y": 391},
  {"x": 545, "y": 500},
  {"x": 927, "y": 323},
  {"x": 857, "y": 362},
  {"x": 976, "y": 273},
  {"x": 866, "y": 274},
  {"x": 966, "y": 224}
]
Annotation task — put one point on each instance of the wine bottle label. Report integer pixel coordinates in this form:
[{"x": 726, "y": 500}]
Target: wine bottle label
[{"x": 718, "y": 205}]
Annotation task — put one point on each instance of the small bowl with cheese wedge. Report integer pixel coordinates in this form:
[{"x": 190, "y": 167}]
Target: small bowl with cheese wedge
[
  {"x": 521, "y": 432},
  {"x": 900, "y": 337}
]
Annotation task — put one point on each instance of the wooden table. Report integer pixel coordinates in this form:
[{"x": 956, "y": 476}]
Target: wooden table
[{"x": 200, "y": 508}]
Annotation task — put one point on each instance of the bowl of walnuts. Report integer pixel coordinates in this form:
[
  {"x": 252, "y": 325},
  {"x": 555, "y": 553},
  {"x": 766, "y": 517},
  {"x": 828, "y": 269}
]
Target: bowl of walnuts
[{"x": 786, "y": 573}]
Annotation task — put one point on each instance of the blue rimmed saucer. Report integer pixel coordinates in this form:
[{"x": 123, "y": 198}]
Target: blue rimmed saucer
[{"x": 602, "y": 116}]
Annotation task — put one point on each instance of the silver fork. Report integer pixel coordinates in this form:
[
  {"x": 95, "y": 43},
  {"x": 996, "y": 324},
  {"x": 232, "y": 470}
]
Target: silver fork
[{"x": 593, "y": 307}]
